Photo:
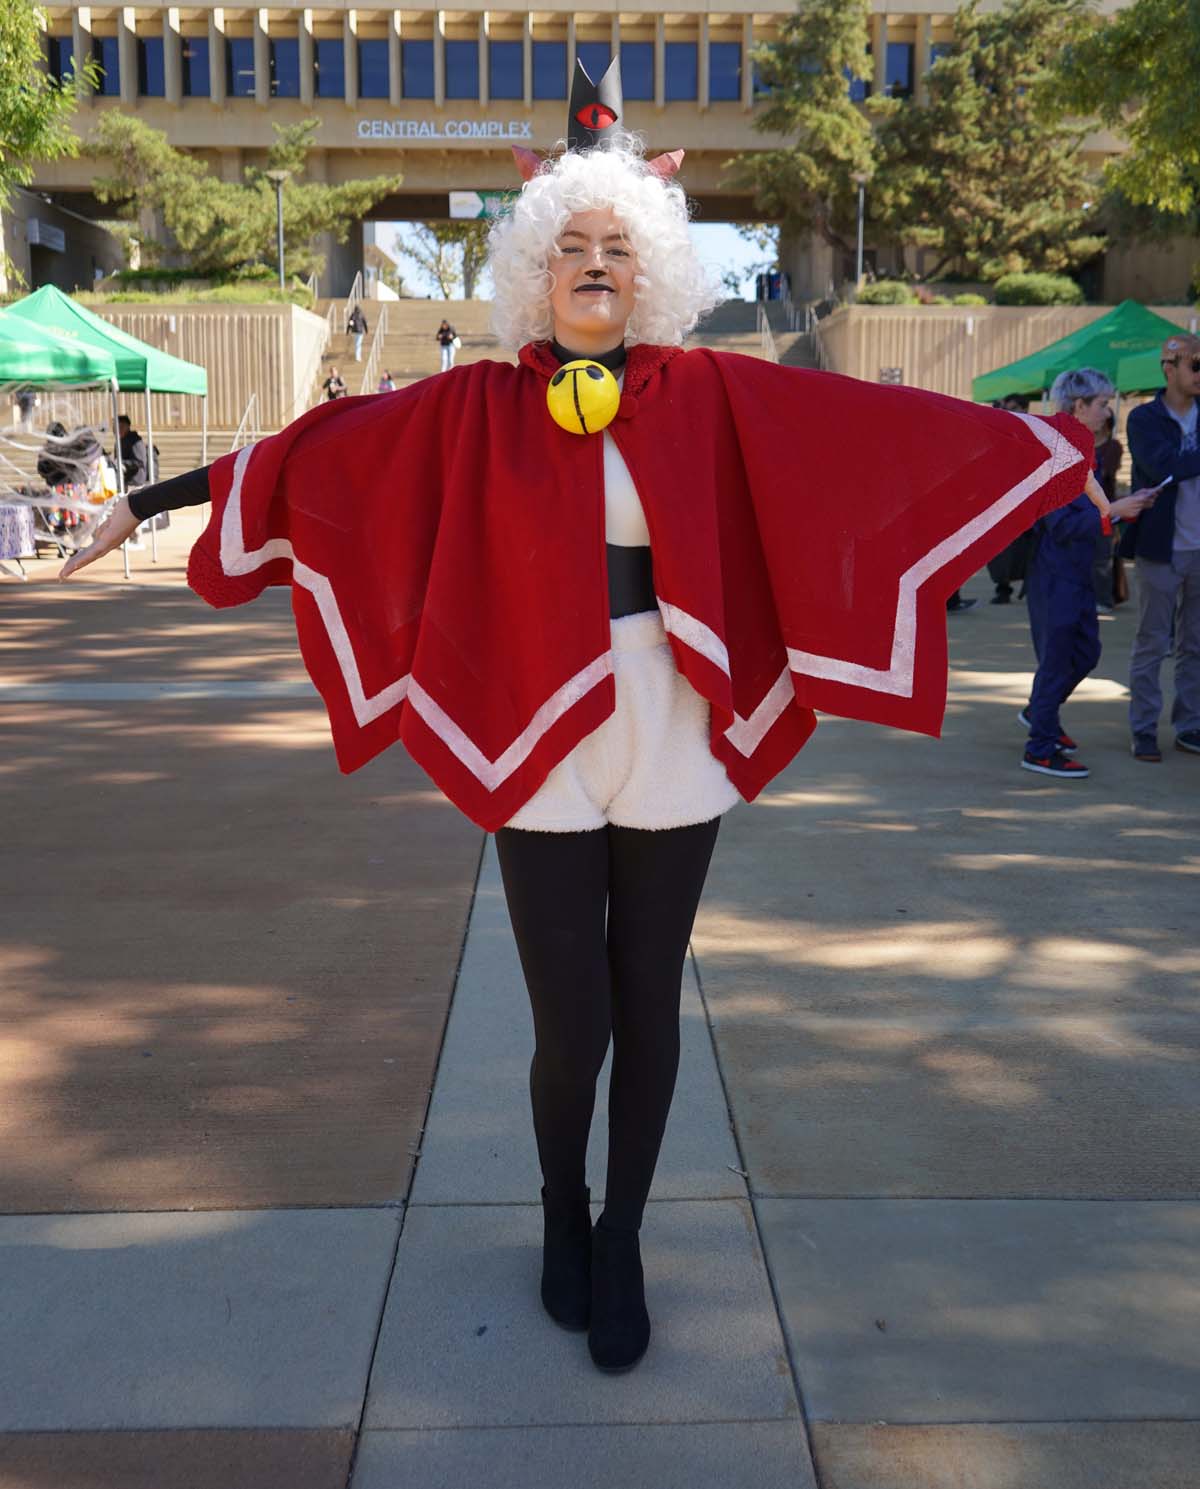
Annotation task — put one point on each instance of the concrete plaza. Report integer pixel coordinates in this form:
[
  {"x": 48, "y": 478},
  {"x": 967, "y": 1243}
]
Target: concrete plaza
[{"x": 928, "y": 1212}]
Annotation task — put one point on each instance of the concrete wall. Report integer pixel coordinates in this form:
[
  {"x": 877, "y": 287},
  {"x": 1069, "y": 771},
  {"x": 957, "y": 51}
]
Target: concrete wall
[
  {"x": 942, "y": 348},
  {"x": 1151, "y": 272},
  {"x": 85, "y": 246}
]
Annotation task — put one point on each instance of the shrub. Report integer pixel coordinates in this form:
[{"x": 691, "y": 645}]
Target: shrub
[
  {"x": 886, "y": 292},
  {"x": 969, "y": 300},
  {"x": 226, "y": 294},
  {"x": 1037, "y": 289}
]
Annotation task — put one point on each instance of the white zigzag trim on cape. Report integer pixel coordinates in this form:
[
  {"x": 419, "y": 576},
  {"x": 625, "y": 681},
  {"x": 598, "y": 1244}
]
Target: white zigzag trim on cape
[
  {"x": 744, "y": 734},
  {"x": 491, "y": 773},
  {"x": 897, "y": 677}
]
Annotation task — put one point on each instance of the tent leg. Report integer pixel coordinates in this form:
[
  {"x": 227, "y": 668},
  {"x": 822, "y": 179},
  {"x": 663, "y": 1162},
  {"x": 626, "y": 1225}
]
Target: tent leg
[
  {"x": 150, "y": 474},
  {"x": 120, "y": 467},
  {"x": 204, "y": 448}
]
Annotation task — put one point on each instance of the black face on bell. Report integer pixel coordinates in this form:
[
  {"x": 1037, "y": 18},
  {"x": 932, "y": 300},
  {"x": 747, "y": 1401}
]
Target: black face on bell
[{"x": 595, "y": 108}]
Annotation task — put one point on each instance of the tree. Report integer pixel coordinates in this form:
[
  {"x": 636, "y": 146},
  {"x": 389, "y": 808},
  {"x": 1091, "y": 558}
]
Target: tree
[
  {"x": 980, "y": 173},
  {"x": 452, "y": 253},
  {"x": 1136, "y": 71},
  {"x": 808, "y": 181},
  {"x": 220, "y": 227},
  {"x": 35, "y": 110}
]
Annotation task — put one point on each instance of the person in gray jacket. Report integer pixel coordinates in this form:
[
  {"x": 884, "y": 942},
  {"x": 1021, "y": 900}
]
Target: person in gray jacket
[{"x": 1165, "y": 542}]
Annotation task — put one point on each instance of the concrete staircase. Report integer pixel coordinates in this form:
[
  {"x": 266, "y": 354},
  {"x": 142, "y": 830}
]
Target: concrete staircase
[{"x": 410, "y": 351}]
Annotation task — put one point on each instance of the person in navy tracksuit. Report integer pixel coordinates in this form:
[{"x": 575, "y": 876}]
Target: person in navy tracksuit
[{"x": 1062, "y": 600}]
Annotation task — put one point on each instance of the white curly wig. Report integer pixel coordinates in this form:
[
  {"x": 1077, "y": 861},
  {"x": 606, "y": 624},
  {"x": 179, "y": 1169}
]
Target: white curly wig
[{"x": 672, "y": 289}]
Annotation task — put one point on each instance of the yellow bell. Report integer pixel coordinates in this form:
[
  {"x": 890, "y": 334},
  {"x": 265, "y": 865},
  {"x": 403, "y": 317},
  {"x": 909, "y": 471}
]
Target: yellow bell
[{"x": 583, "y": 397}]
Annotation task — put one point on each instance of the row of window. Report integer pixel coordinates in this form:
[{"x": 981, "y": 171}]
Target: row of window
[
  {"x": 899, "y": 70},
  {"x": 505, "y": 67}
]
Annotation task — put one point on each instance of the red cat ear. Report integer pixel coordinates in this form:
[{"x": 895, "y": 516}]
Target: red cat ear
[
  {"x": 528, "y": 163},
  {"x": 666, "y": 165}
]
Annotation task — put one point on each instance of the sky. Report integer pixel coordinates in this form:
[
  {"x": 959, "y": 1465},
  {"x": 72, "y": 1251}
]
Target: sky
[{"x": 717, "y": 243}]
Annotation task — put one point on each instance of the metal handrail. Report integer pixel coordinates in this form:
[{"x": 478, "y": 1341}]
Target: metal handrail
[
  {"x": 375, "y": 350},
  {"x": 766, "y": 336},
  {"x": 247, "y": 423}
]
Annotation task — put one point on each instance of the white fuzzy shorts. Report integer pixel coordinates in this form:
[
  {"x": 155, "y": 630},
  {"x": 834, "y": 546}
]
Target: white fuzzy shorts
[{"x": 649, "y": 764}]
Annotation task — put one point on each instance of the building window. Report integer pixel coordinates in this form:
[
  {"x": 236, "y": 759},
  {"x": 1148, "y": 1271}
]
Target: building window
[
  {"x": 724, "y": 70},
  {"x": 239, "y": 67},
  {"x": 506, "y": 69},
  {"x": 416, "y": 68},
  {"x": 60, "y": 59},
  {"x": 860, "y": 88},
  {"x": 462, "y": 69},
  {"x": 108, "y": 56},
  {"x": 549, "y": 69},
  {"x": 939, "y": 50},
  {"x": 329, "y": 59},
  {"x": 899, "y": 80},
  {"x": 681, "y": 70},
  {"x": 195, "y": 67},
  {"x": 637, "y": 69},
  {"x": 285, "y": 67},
  {"x": 595, "y": 56},
  {"x": 373, "y": 68},
  {"x": 151, "y": 82}
]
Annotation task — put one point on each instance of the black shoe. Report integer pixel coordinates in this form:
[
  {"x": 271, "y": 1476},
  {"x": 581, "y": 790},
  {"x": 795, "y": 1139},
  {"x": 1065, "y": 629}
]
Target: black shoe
[
  {"x": 1145, "y": 748},
  {"x": 620, "y": 1329},
  {"x": 567, "y": 1260},
  {"x": 960, "y": 606}
]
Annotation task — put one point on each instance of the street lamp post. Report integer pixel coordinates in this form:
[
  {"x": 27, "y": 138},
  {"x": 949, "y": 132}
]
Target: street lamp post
[
  {"x": 860, "y": 178},
  {"x": 278, "y": 178}
]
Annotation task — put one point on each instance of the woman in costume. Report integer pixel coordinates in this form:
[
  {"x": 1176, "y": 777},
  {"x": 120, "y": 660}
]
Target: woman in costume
[{"x": 606, "y": 610}]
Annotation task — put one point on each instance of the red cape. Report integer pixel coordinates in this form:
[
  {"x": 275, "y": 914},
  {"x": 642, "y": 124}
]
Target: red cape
[{"x": 445, "y": 546}]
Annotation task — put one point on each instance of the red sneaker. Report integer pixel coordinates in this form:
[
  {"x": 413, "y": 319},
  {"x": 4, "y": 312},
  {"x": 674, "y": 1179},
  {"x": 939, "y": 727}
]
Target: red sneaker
[
  {"x": 1056, "y": 764},
  {"x": 1065, "y": 743}
]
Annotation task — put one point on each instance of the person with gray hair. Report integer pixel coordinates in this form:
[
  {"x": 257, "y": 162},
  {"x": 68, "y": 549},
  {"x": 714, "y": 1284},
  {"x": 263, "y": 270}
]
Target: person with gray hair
[{"x": 1062, "y": 600}]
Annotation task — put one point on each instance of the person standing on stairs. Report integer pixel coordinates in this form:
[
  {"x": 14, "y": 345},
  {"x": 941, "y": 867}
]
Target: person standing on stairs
[
  {"x": 358, "y": 328},
  {"x": 448, "y": 340}
]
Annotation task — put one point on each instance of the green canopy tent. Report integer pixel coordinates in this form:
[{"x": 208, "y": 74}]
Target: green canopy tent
[
  {"x": 140, "y": 366},
  {"x": 35, "y": 357},
  {"x": 40, "y": 358},
  {"x": 1124, "y": 344}
]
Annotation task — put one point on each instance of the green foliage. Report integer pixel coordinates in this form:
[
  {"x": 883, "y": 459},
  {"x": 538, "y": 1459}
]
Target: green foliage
[
  {"x": 1136, "y": 71},
  {"x": 1037, "y": 289},
  {"x": 887, "y": 292},
  {"x": 969, "y": 300},
  {"x": 452, "y": 253},
  {"x": 979, "y": 173},
  {"x": 35, "y": 111},
  {"x": 221, "y": 226},
  {"x": 221, "y": 294},
  {"x": 808, "y": 181}
]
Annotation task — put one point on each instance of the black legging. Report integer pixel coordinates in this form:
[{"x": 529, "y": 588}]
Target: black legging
[{"x": 588, "y": 979}]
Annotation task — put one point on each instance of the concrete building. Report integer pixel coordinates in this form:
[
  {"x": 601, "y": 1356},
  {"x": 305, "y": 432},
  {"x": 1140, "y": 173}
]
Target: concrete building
[{"x": 439, "y": 95}]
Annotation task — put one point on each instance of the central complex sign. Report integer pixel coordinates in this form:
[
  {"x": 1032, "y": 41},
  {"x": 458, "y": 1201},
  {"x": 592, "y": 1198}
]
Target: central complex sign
[{"x": 445, "y": 129}]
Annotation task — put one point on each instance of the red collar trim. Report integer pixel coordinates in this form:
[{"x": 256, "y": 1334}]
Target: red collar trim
[{"x": 642, "y": 362}]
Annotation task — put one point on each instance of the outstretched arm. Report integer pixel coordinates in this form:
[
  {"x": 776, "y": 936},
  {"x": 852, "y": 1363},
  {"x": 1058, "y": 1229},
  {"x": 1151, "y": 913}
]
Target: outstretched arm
[{"x": 189, "y": 490}]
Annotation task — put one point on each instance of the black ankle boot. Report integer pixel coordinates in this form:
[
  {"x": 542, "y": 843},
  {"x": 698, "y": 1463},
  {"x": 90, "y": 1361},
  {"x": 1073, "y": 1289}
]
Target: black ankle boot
[
  {"x": 620, "y": 1327},
  {"x": 567, "y": 1260}
]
